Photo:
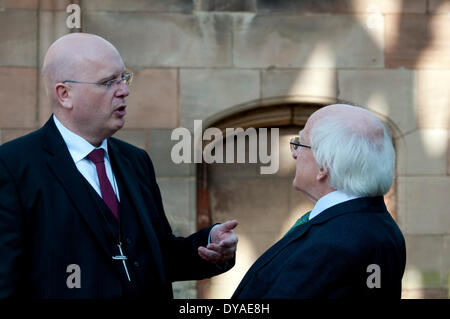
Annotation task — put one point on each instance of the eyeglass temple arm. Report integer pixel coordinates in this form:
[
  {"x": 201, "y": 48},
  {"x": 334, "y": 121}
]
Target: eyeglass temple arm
[{"x": 298, "y": 144}]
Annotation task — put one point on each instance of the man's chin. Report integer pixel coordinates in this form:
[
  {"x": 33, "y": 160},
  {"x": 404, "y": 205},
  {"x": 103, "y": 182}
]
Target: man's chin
[
  {"x": 294, "y": 184},
  {"x": 116, "y": 127},
  {"x": 119, "y": 123}
]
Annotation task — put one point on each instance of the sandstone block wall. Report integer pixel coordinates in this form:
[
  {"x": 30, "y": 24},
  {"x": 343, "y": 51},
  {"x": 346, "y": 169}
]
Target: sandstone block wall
[{"x": 202, "y": 59}]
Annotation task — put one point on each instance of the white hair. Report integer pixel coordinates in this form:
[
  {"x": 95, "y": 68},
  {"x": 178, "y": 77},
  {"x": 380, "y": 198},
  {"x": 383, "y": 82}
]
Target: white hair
[{"x": 359, "y": 157}]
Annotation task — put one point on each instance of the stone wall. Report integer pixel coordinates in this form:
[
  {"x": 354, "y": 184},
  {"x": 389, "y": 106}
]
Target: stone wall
[{"x": 206, "y": 59}]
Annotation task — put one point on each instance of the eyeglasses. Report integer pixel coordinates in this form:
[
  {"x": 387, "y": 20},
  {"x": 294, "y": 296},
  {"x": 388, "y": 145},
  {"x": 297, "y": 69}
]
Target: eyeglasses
[
  {"x": 294, "y": 144},
  {"x": 126, "y": 78}
]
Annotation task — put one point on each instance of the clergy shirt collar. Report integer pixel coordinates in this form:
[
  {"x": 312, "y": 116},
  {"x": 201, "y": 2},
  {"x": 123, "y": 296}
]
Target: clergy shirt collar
[
  {"x": 78, "y": 147},
  {"x": 329, "y": 200}
]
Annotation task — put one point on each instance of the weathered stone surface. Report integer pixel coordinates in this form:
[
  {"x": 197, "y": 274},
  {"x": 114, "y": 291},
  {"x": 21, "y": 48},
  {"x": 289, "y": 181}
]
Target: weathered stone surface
[
  {"x": 253, "y": 164},
  {"x": 18, "y": 40},
  {"x": 18, "y": 96},
  {"x": 405, "y": 49},
  {"x": 445, "y": 278},
  {"x": 426, "y": 201},
  {"x": 262, "y": 41},
  {"x": 225, "y": 5},
  {"x": 55, "y": 5},
  {"x": 299, "y": 82},
  {"x": 184, "y": 290},
  {"x": 138, "y": 5},
  {"x": 433, "y": 99},
  {"x": 425, "y": 255},
  {"x": 178, "y": 194},
  {"x": 252, "y": 202},
  {"x": 448, "y": 155},
  {"x": 170, "y": 40},
  {"x": 249, "y": 160},
  {"x": 425, "y": 293},
  {"x": 424, "y": 152},
  {"x": 206, "y": 92},
  {"x": 19, "y": 5},
  {"x": 401, "y": 203},
  {"x": 390, "y": 93},
  {"x": 159, "y": 149},
  {"x": 236, "y": 170},
  {"x": 136, "y": 137},
  {"x": 438, "y": 6},
  {"x": 342, "y": 6},
  {"x": 286, "y": 166},
  {"x": 52, "y": 25},
  {"x": 153, "y": 99}
]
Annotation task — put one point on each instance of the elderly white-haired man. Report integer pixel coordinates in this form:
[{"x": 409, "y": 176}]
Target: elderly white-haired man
[{"x": 348, "y": 246}]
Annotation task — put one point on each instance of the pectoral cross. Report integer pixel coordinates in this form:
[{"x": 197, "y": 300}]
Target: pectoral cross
[{"x": 123, "y": 258}]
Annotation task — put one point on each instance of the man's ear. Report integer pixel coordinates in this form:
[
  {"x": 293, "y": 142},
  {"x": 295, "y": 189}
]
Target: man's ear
[
  {"x": 322, "y": 174},
  {"x": 63, "y": 95}
]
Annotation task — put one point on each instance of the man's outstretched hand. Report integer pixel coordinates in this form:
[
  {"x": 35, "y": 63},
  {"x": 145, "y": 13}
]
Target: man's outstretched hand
[{"x": 223, "y": 244}]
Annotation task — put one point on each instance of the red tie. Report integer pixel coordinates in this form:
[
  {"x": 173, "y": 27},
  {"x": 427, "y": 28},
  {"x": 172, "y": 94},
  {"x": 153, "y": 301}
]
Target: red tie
[{"x": 108, "y": 195}]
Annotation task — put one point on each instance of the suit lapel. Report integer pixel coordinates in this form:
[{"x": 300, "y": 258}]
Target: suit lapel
[
  {"x": 66, "y": 173},
  {"x": 131, "y": 183}
]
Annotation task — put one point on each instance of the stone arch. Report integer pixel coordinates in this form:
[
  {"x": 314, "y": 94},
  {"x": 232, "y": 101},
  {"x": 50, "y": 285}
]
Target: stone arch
[
  {"x": 274, "y": 106},
  {"x": 253, "y": 114}
]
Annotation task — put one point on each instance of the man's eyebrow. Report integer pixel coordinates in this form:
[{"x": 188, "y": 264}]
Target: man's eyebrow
[
  {"x": 106, "y": 78},
  {"x": 112, "y": 76}
]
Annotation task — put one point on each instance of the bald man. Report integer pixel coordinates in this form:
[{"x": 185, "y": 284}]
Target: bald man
[
  {"x": 348, "y": 246},
  {"x": 81, "y": 214}
]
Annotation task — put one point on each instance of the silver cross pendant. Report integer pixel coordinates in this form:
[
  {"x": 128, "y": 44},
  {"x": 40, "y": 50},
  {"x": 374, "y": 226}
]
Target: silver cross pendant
[{"x": 123, "y": 258}]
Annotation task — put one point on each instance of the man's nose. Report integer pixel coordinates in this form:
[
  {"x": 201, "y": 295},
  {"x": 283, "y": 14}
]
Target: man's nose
[{"x": 122, "y": 90}]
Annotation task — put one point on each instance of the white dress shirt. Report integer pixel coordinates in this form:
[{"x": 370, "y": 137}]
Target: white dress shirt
[
  {"x": 79, "y": 148},
  {"x": 329, "y": 200}
]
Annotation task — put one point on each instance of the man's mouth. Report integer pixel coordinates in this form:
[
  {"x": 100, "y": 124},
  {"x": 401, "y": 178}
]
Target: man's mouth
[{"x": 121, "y": 110}]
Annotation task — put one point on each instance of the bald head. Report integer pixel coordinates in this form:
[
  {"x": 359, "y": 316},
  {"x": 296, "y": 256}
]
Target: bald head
[
  {"x": 68, "y": 58},
  {"x": 76, "y": 69}
]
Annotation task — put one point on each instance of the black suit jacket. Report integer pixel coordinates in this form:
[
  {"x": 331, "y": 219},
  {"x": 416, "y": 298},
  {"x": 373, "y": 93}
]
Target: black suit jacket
[
  {"x": 48, "y": 221},
  {"x": 329, "y": 256}
]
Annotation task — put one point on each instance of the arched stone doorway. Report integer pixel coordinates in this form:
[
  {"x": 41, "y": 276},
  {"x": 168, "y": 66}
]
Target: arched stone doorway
[{"x": 266, "y": 206}]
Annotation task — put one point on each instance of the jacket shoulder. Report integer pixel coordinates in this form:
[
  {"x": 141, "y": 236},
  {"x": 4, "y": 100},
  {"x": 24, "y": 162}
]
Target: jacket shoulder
[
  {"x": 21, "y": 147},
  {"x": 359, "y": 232}
]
